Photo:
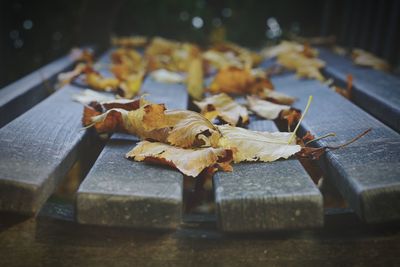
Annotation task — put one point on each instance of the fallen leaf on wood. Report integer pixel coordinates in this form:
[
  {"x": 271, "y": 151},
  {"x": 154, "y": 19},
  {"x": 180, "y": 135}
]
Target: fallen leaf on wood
[
  {"x": 223, "y": 107},
  {"x": 292, "y": 117},
  {"x": 195, "y": 86},
  {"x": 189, "y": 129},
  {"x": 170, "y": 55},
  {"x": 234, "y": 80},
  {"x": 190, "y": 162},
  {"x": 96, "y": 81},
  {"x": 266, "y": 109},
  {"x": 222, "y": 59},
  {"x": 165, "y": 76},
  {"x": 301, "y": 58},
  {"x": 276, "y": 97},
  {"x": 256, "y": 146},
  {"x": 346, "y": 92},
  {"x": 82, "y": 55},
  {"x": 366, "y": 59},
  {"x": 288, "y": 47},
  {"x": 130, "y": 59},
  {"x": 130, "y": 87},
  {"x": 132, "y": 122},
  {"x": 304, "y": 66},
  {"x": 182, "y": 128},
  {"x": 67, "y": 77},
  {"x": 248, "y": 57}
]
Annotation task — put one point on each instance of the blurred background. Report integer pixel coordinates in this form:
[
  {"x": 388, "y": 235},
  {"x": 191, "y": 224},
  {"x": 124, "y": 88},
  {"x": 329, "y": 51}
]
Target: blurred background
[{"x": 35, "y": 32}]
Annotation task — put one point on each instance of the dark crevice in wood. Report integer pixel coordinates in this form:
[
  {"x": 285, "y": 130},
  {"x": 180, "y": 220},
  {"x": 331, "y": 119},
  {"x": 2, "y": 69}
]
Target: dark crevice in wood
[
  {"x": 65, "y": 194},
  {"x": 332, "y": 197}
]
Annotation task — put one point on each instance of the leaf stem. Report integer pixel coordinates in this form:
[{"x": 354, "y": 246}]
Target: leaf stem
[
  {"x": 351, "y": 141},
  {"x": 310, "y": 98},
  {"x": 321, "y": 137}
]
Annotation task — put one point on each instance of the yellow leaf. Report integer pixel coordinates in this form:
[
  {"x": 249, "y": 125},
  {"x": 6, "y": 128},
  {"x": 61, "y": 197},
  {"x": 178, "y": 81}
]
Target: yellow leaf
[
  {"x": 96, "y": 81},
  {"x": 195, "y": 85},
  {"x": 256, "y": 146},
  {"x": 225, "y": 108}
]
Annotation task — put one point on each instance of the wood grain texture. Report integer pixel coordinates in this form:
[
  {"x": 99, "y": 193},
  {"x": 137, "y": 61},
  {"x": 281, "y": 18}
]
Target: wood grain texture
[
  {"x": 375, "y": 91},
  {"x": 367, "y": 172},
  {"x": 53, "y": 242},
  {"x": 37, "y": 149},
  {"x": 120, "y": 192},
  {"x": 23, "y": 94},
  {"x": 267, "y": 196}
]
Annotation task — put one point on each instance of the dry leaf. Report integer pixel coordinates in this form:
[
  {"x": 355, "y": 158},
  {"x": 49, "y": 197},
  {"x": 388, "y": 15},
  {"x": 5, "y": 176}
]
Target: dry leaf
[
  {"x": 288, "y": 47},
  {"x": 346, "y": 92},
  {"x": 363, "y": 58},
  {"x": 223, "y": 107},
  {"x": 265, "y": 109},
  {"x": 301, "y": 58},
  {"x": 248, "y": 57},
  {"x": 96, "y": 81},
  {"x": 82, "y": 55},
  {"x": 190, "y": 162},
  {"x": 132, "y": 122},
  {"x": 182, "y": 128},
  {"x": 130, "y": 87},
  {"x": 87, "y": 96},
  {"x": 188, "y": 129},
  {"x": 256, "y": 146},
  {"x": 67, "y": 77},
  {"x": 126, "y": 62},
  {"x": 233, "y": 80},
  {"x": 170, "y": 55},
  {"x": 195, "y": 85},
  {"x": 165, "y": 76},
  {"x": 222, "y": 59},
  {"x": 304, "y": 66},
  {"x": 276, "y": 97}
]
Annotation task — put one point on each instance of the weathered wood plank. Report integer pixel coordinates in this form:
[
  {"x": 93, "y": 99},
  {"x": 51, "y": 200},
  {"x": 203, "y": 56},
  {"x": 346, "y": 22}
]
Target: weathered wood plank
[
  {"x": 23, "y": 94},
  {"x": 367, "y": 172},
  {"x": 267, "y": 196},
  {"x": 119, "y": 192},
  {"x": 37, "y": 149},
  {"x": 375, "y": 91}
]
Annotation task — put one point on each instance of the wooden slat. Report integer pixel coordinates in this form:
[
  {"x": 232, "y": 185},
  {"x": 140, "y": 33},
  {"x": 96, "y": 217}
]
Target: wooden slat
[
  {"x": 120, "y": 192},
  {"x": 23, "y": 94},
  {"x": 267, "y": 196},
  {"x": 367, "y": 172},
  {"x": 37, "y": 149},
  {"x": 375, "y": 91}
]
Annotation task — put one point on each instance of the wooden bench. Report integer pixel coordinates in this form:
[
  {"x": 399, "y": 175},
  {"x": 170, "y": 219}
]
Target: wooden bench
[{"x": 40, "y": 146}]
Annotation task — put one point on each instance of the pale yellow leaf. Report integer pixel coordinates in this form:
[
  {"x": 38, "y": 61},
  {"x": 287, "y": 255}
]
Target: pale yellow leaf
[
  {"x": 276, "y": 97},
  {"x": 265, "y": 109},
  {"x": 195, "y": 86},
  {"x": 256, "y": 146}
]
